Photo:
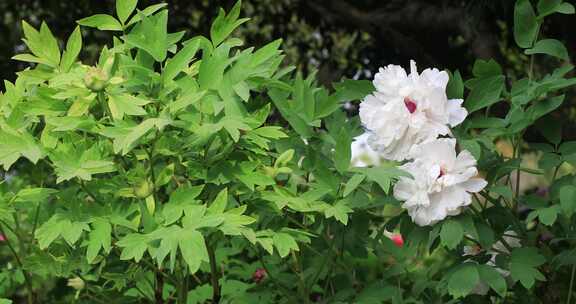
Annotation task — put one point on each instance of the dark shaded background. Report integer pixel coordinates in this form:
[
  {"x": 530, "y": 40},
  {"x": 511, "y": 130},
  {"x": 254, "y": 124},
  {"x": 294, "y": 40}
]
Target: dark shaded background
[
  {"x": 340, "y": 37},
  {"x": 349, "y": 38}
]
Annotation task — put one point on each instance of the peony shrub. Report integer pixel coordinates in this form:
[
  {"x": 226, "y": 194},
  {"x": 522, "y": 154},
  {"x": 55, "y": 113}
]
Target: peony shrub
[{"x": 193, "y": 169}]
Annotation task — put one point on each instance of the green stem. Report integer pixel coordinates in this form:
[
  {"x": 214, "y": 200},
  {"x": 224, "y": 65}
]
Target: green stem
[
  {"x": 89, "y": 192},
  {"x": 27, "y": 278},
  {"x": 302, "y": 282},
  {"x": 214, "y": 273},
  {"x": 571, "y": 284}
]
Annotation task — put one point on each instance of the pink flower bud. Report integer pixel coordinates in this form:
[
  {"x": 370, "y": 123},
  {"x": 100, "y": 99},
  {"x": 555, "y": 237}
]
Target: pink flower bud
[
  {"x": 398, "y": 240},
  {"x": 259, "y": 275}
]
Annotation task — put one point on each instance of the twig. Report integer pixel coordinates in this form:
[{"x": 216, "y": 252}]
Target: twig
[
  {"x": 27, "y": 278},
  {"x": 214, "y": 273}
]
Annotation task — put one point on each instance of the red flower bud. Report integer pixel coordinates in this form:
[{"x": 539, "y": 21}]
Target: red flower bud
[
  {"x": 259, "y": 275},
  {"x": 398, "y": 240}
]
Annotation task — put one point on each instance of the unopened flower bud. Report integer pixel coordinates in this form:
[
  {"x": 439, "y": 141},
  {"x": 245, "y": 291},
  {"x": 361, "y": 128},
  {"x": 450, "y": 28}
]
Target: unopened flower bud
[
  {"x": 259, "y": 275},
  {"x": 96, "y": 79},
  {"x": 76, "y": 283},
  {"x": 143, "y": 189}
]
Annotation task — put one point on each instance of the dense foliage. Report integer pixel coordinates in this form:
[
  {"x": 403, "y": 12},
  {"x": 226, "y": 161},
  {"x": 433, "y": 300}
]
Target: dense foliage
[{"x": 194, "y": 170}]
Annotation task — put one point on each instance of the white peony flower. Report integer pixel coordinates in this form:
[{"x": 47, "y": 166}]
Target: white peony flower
[
  {"x": 406, "y": 110},
  {"x": 442, "y": 181},
  {"x": 362, "y": 154}
]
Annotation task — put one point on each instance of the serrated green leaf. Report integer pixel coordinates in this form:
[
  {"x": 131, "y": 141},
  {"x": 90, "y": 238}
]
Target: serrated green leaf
[
  {"x": 339, "y": 211},
  {"x": 193, "y": 249},
  {"x": 181, "y": 60},
  {"x": 34, "y": 194},
  {"x": 180, "y": 201},
  {"x": 224, "y": 24},
  {"x": 60, "y": 225},
  {"x": 126, "y": 104},
  {"x": 133, "y": 246},
  {"x": 99, "y": 238},
  {"x": 151, "y": 35}
]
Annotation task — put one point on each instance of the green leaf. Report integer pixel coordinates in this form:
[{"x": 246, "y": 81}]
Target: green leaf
[
  {"x": 526, "y": 25},
  {"x": 124, "y": 9},
  {"x": 550, "y": 47},
  {"x": 492, "y": 278},
  {"x": 270, "y": 132},
  {"x": 220, "y": 202},
  {"x": 284, "y": 243},
  {"x": 151, "y": 35},
  {"x": 15, "y": 144},
  {"x": 550, "y": 128},
  {"x": 180, "y": 201},
  {"x": 350, "y": 90},
  {"x": 146, "y": 12},
  {"x": 455, "y": 88},
  {"x": 181, "y": 60},
  {"x": 463, "y": 280},
  {"x": 547, "y": 7},
  {"x": 485, "y": 93},
  {"x": 353, "y": 183},
  {"x": 523, "y": 266},
  {"x": 79, "y": 161},
  {"x": 60, "y": 225},
  {"x": 73, "y": 48},
  {"x": 34, "y": 195},
  {"x": 339, "y": 211},
  {"x": 486, "y": 68},
  {"x": 568, "y": 199},
  {"x": 343, "y": 150},
  {"x": 102, "y": 22},
  {"x": 126, "y": 104},
  {"x": 565, "y": 8},
  {"x": 50, "y": 45},
  {"x": 31, "y": 58},
  {"x": 284, "y": 158},
  {"x": 193, "y": 249},
  {"x": 224, "y": 24},
  {"x": 99, "y": 238},
  {"x": 383, "y": 175},
  {"x": 133, "y": 246},
  {"x": 451, "y": 234},
  {"x": 546, "y": 215}
]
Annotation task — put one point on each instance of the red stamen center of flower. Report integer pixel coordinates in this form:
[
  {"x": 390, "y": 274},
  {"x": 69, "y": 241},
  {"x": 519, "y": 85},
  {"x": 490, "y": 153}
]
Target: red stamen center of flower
[
  {"x": 441, "y": 173},
  {"x": 410, "y": 104}
]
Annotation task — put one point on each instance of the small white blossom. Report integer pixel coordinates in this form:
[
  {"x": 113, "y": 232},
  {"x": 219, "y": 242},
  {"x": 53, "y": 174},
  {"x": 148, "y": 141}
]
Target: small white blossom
[
  {"x": 406, "y": 110},
  {"x": 362, "y": 154},
  {"x": 441, "y": 184}
]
